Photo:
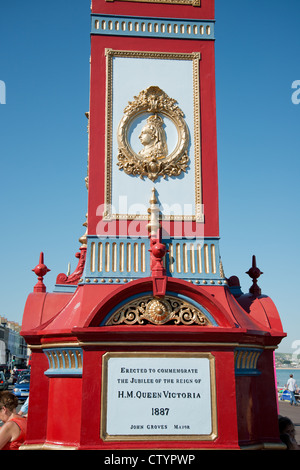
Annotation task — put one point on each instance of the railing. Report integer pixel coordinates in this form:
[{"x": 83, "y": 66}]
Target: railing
[{"x": 123, "y": 259}]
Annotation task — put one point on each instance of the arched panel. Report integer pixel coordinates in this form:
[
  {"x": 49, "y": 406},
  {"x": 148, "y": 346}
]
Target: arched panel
[
  {"x": 207, "y": 304},
  {"x": 172, "y": 309}
]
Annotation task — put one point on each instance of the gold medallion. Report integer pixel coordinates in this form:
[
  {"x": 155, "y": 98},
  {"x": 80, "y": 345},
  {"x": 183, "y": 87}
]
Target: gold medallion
[{"x": 154, "y": 160}]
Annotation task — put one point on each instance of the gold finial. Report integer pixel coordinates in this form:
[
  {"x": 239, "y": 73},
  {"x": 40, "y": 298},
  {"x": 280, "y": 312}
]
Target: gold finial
[
  {"x": 153, "y": 199},
  {"x": 154, "y": 224}
]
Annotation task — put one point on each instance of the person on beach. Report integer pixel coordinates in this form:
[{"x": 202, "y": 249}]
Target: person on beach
[
  {"x": 13, "y": 431},
  {"x": 292, "y": 388}
]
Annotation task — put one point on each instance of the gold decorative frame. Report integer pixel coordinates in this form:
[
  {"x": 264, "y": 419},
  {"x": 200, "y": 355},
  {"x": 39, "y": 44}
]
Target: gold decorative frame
[
  {"x": 158, "y": 312},
  {"x": 154, "y": 101},
  {"x": 171, "y": 437},
  {"x": 195, "y": 57},
  {"x": 194, "y": 3}
]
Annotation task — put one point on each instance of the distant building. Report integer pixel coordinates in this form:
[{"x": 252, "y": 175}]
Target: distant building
[{"x": 13, "y": 348}]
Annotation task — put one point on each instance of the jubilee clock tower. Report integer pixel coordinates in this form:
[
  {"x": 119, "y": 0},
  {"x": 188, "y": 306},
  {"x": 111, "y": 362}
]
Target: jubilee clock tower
[
  {"x": 152, "y": 79},
  {"x": 147, "y": 339}
]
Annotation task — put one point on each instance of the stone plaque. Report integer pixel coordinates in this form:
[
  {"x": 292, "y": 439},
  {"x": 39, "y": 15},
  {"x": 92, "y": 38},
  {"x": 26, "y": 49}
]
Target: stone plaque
[{"x": 158, "y": 396}]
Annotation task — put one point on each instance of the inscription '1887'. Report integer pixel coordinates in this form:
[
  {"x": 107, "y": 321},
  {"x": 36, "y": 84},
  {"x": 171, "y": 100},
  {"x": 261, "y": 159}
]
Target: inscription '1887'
[{"x": 160, "y": 411}]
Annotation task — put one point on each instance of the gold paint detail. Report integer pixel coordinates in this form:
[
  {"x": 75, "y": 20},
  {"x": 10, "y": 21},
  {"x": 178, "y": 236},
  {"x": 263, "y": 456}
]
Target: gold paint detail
[
  {"x": 158, "y": 312},
  {"x": 183, "y": 344},
  {"x": 167, "y": 108},
  {"x": 221, "y": 270},
  {"x": 154, "y": 225},
  {"x": 246, "y": 359},
  {"x": 153, "y": 161},
  {"x": 49, "y": 356},
  {"x": 194, "y": 3},
  {"x": 62, "y": 358},
  {"x": 46, "y": 446},
  {"x": 191, "y": 257},
  {"x": 108, "y": 257},
  {"x": 104, "y": 397}
]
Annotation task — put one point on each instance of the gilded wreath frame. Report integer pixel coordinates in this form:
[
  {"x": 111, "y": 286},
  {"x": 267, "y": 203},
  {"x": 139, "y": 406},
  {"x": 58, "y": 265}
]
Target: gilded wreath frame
[{"x": 153, "y": 101}]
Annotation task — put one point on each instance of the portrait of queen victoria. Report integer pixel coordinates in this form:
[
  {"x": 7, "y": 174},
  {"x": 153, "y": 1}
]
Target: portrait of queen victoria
[
  {"x": 153, "y": 138},
  {"x": 153, "y": 160}
]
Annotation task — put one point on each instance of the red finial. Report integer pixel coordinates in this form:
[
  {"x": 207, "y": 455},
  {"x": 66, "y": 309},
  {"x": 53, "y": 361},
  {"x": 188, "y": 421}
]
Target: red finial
[
  {"x": 158, "y": 251},
  {"x": 254, "y": 273},
  {"x": 40, "y": 270},
  {"x": 158, "y": 272}
]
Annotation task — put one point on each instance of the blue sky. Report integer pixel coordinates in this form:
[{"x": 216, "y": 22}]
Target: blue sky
[{"x": 44, "y": 63}]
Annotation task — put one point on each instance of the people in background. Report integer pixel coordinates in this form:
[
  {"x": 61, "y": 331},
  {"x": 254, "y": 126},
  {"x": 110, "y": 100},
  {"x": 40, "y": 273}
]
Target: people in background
[
  {"x": 24, "y": 408},
  {"x": 292, "y": 388}
]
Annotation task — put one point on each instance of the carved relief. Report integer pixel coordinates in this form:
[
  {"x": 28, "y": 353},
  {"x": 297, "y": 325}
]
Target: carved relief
[
  {"x": 153, "y": 160},
  {"x": 153, "y": 138},
  {"x": 112, "y": 146},
  {"x": 158, "y": 312}
]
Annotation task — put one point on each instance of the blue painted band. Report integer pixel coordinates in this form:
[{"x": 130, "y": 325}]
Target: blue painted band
[
  {"x": 67, "y": 288},
  {"x": 167, "y": 28},
  {"x": 64, "y": 361},
  {"x": 246, "y": 361}
]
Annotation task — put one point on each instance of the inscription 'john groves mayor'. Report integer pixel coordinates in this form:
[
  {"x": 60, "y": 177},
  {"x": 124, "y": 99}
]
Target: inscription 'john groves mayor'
[{"x": 164, "y": 394}]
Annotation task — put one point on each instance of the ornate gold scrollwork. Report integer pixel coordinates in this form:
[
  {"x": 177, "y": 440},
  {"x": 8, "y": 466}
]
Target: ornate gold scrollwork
[
  {"x": 158, "y": 312},
  {"x": 153, "y": 160}
]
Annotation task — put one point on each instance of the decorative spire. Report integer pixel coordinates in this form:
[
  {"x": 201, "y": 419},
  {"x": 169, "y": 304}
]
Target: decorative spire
[
  {"x": 254, "y": 273},
  {"x": 40, "y": 270},
  {"x": 154, "y": 225},
  {"x": 157, "y": 249}
]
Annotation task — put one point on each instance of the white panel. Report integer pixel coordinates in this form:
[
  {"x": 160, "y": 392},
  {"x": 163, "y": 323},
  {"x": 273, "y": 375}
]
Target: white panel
[{"x": 175, "y": 77}]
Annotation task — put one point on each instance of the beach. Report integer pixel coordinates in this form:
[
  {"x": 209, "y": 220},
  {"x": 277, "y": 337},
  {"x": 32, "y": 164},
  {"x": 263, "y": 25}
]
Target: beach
[{"x": 282, "y": 376}]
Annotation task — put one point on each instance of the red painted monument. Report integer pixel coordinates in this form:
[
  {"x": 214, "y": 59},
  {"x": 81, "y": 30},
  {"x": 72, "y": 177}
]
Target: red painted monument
[{"x": 147, "y": 344}]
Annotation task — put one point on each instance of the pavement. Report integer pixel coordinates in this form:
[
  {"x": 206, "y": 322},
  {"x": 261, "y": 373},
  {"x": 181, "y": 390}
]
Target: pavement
[{"x": 292, "y": 412}]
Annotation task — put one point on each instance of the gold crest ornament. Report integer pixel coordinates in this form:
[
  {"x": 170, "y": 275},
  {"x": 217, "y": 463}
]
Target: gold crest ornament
[
  {"x": 147, "y": 309},
  {"x": 154, "y": 159}
]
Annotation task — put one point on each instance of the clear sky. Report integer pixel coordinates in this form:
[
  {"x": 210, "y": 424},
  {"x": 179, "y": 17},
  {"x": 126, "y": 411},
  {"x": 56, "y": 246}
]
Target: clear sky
[{"x": 44, "y": 65}]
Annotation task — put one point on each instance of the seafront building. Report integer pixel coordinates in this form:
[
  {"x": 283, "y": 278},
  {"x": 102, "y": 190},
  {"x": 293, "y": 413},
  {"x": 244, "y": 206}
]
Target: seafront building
[
  {"x": 14, "y": 351},
  {"x": 287, "y": 361}
]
